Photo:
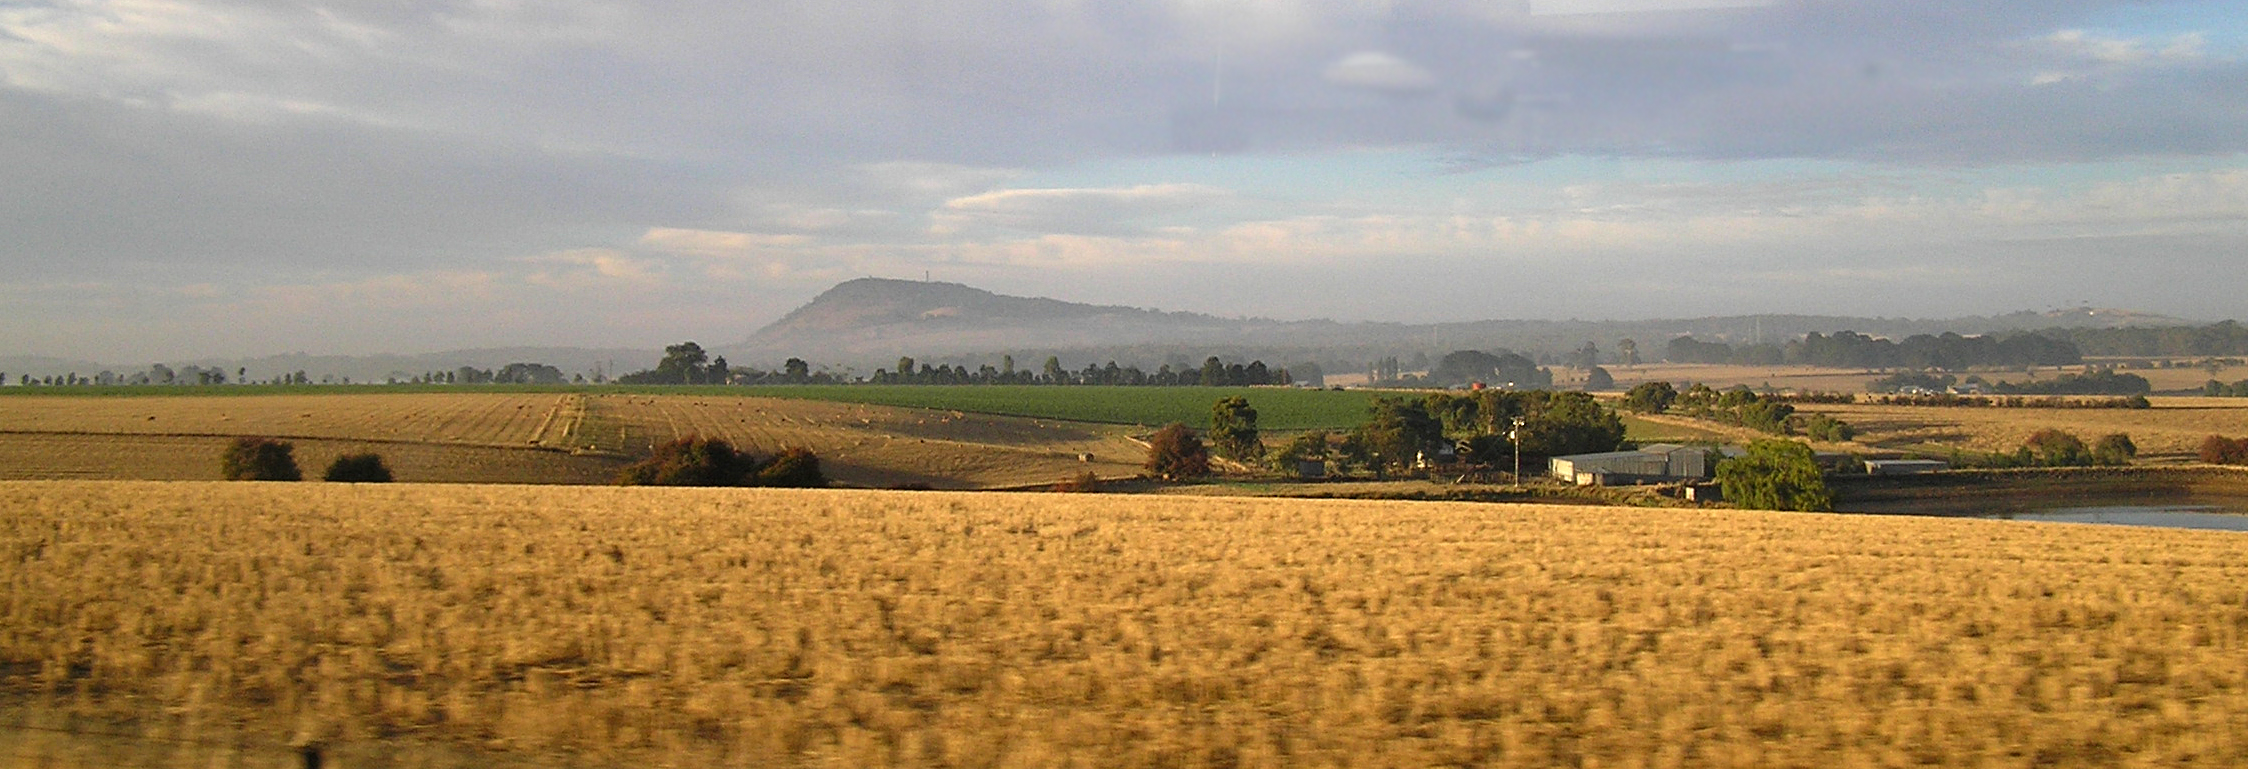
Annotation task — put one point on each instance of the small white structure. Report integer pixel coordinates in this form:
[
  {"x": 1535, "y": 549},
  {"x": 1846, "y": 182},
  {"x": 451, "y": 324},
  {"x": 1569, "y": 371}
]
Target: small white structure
[{"x": 1904, "y": 466}]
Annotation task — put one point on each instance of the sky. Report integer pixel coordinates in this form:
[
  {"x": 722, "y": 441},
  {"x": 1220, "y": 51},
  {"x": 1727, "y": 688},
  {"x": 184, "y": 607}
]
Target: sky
[{"x": 193, "y": 178}]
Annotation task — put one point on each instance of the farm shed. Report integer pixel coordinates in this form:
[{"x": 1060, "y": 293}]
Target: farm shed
[
  {"x": 1904, "y": 466},
  {"x": 1652, "y": 463}
]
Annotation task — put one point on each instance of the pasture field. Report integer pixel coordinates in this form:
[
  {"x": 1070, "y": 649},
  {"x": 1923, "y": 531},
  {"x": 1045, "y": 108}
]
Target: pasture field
[
  {"x": 436, "y": 626},
  {"x": 1278, "y": 408}
]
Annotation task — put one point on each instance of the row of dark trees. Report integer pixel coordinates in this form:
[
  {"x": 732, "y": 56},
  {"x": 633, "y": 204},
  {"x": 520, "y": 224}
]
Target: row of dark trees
[
  {"x": 688, "y": 363},
  {"x": 1401, "y": 433},
  {"x": 2225, "y": 338},
  {"x": 1849, "y": 349}
]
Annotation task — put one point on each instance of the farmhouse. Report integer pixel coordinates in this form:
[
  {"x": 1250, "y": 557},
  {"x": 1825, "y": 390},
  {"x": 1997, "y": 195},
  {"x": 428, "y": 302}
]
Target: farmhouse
[{"x": 1653, "y": 463}]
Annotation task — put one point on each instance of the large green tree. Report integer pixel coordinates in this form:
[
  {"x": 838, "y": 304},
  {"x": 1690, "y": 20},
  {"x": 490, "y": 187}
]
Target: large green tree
[
  {"x": 1233, "y": 429},
  {"x": 682, "y": 363},
  {"x": 1650, "y": 397},
  {"x": 1398, "y": 432},
  {"x": 1775, "y": 475}
]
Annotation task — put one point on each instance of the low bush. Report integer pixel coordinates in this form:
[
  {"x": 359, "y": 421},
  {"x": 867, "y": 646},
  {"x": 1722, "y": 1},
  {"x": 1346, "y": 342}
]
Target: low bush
[
  {"x": 259, "y": 459},
  {"x": 795, "y": 468},
  {"x": 1825, "y": 428},
  {"x": 2220, "y": 450},
  {"x": 698, "y": 461},
  {"x": 364, "y": 467},
  {"x": 1084, "y": 483},
  {"x": 1174, "y": 453},
  {"x": 2114, "y": 449}
]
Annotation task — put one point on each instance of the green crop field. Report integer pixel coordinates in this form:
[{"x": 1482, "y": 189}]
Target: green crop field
[{"x": 1277, "y": 408}]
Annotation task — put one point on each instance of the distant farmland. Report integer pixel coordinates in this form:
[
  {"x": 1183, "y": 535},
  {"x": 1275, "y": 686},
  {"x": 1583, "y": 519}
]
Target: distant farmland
[
  {"x": 1278, "y": 408},
  {"x": 553, "y": 626}
]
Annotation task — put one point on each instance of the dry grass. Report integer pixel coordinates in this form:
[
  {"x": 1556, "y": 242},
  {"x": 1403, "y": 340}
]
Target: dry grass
[
  {"x": 1819, "y": 379},
  {"x": 681, "y": 627},
  {"x": 525, "y": 438},
  {"x": 2171, "y": 430}
]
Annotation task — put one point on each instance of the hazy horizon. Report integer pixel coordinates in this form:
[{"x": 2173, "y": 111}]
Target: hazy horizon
[{"x": 213, "y": 179}]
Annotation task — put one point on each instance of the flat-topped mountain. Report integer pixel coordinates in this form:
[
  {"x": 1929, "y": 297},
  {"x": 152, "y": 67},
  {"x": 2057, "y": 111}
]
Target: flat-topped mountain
[{"x": 879, "y": 317}]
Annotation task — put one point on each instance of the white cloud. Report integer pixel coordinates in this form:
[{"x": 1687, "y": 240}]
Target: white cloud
[
  {"x": 1073, "y": 210},
  {"x": 1379, "y": 71},
  {"x": 584, "y": 268},
  {"x": 717, "y": 244}
]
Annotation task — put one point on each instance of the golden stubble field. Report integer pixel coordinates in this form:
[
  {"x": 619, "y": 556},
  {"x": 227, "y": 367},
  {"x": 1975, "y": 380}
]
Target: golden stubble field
[
  {"x": 473, "y": 437},
  {"x": 411, "y": 625},
  {"x": 1823, "y": 379},
  {"x": 2172, "y": 430}
]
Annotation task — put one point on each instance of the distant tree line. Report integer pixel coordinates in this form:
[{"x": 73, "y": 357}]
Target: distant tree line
[
  {"x": 1849, "y": 349},
  {"x": 2216, "y": 389},
  {"x": 688, "y": 363},
  {"x": 2224, "y": 338},
  {"x": 1214, "y": 372}
]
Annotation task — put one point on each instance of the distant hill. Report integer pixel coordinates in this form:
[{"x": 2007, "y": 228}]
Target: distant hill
[
  {"x": 877, "y": 318},
  {"x": 869, "y": 322}
]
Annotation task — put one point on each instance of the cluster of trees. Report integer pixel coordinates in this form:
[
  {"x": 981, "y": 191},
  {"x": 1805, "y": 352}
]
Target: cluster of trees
[
  {"x": 1775, "y": 475},
  {"x": 266, "y": 459},
  {"x": 2095, "y": 382},
  {"x": 513, "y": 373},
  {"x": 156, "y": 375},
  {"x": 1849, "y": 349},
  {"x": 683, "y": 364},
  {"x": 1739, "y": 406},
  {"x": 2216, "y": 389},
  {"x": 2052, "y": 447},
  {"x": 2225, "y": 338},
  {"x": 1482, "y": 427},
  {"x": 698, "y": 461},
  {"x": 1504, "y": 368}
]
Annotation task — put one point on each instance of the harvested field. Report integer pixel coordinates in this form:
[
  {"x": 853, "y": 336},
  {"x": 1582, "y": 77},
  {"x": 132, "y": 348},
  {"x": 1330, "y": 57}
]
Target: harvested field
[
  {"x": 468, "y": 418},
  {"x": 475, "y": 437},
  {"x": 1819, "y": 379},
  {"x": 442, "y": 626},
  {"x": 878, "y": 446},
  {"x": 2173, "y": 429},
  {"x": 1278, "y": 408},
  {"x": 1806, "y": 378}
]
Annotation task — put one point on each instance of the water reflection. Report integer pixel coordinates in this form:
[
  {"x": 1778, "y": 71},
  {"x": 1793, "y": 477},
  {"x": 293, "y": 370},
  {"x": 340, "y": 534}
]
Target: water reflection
[{"x": 2170, "y": 516}]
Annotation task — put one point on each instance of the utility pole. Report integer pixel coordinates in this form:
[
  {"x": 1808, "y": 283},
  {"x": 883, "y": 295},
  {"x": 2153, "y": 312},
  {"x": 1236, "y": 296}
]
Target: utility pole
[{"x": 1514, "y": 436}]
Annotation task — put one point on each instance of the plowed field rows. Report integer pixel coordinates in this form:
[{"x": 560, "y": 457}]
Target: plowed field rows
[
  {"x": 483, "y": 419},
  {"x": 872, "y": 445}
]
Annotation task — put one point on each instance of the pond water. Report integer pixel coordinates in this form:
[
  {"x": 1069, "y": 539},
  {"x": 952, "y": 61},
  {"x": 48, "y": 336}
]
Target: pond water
[{"x": 2170, "y": 516}]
